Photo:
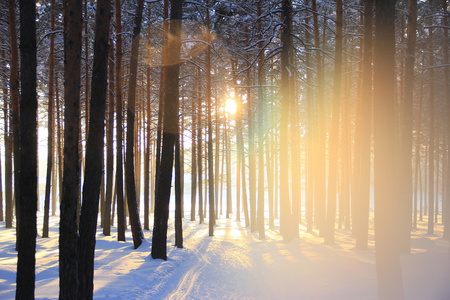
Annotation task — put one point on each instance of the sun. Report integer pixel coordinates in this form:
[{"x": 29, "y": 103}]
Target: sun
[{"x": 230, "y": 106}]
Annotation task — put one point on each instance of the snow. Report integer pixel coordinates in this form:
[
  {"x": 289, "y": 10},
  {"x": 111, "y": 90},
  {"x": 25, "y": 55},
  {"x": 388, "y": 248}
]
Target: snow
[{"x": 234, "y": 264}]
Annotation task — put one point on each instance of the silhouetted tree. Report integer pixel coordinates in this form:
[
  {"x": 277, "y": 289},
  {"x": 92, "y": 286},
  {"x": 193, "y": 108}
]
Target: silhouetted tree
[
  {"x": 27, "y": 195},
  {"x": 386, "y": 179},
  {"x": 94, "y": 152},
  {"x": 130, "y": 182},
  {"x": 170, "y": 132}
]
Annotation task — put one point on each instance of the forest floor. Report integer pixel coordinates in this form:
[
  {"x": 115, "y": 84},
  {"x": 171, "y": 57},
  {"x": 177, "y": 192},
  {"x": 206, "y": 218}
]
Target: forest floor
[{"x": 234, "y": 264}]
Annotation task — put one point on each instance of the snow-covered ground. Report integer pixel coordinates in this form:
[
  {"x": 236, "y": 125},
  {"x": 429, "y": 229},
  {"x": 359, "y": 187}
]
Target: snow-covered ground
[{"x": 234, "y": 264}]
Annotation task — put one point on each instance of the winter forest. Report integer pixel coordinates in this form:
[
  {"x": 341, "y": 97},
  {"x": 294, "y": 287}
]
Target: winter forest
[{"x": 207, "y": 149}]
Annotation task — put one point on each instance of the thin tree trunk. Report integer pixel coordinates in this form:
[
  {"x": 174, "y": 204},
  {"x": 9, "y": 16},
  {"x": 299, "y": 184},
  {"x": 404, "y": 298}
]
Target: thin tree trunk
[
  {"x": 119, "y": 127},
  {"x": 194, "y": 158},
  {"x": 210, "y": 129},
  {"x": 446, "y": 212},
  {"x": 147, "y": 153},
  {"x": 12, "y": 143},
  {"x": 50, "y": 122},
  {"x": 286, "y": 227},
  {"x": 431, "y": 149},
  {"x": 261, "y": 133},
  {"x": 109, "y": 147},
  {"x": 178, "y": 199},
  {"x": 130, "y": 182},
  {"x": 335, "y": 128},
  {"x": 319, "y": 153}
]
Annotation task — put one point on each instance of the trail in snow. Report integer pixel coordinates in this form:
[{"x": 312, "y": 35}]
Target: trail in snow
[{"x": 234, "y": 264}]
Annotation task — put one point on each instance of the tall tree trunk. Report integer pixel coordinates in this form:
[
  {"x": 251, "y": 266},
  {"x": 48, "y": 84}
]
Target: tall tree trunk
[
  {"x": 361, "y": 196},
  {"x": 162, "y": 90},
  {"x": 309, "y": 201},
  {"x": 407, "y": 129},
  {"x": 170, "y": 133},
  {"x": 50, "y": 122},
  {"x": 109, "y": 146},
  {"x": 68, "y": 228},
  {"x": 27, "y": 195},
  {"x": 136, "y": 229},
  {"x": 94, "y": 152},
  {"x": 194, "y": 157},
  {"x": 119, "y": 127},
  {"x": 319, "y": 153},
  {"x": 335, "y": 128},
  {"x": 446, "y": 212},
  {"x": 178, "y": 199},
  {"x": 11, "y": 144},
  {"x": 199, "y": 151},
  {"x": 431, "y": 149},
  {"x": 387, "y": 206},
  {"x": 210, "y": 129},
  {"x": 147, "y": 156},
  {"x": 285, "y": 199},
  {"x": 261, "y": 133}
]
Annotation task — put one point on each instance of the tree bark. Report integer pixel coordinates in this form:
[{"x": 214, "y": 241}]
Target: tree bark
[
  {"x": 50, "y": 123},
  {"x": 130, "y": 182},
  {"x": 212, "y": 219},
  {"x": 286, "y": 227},
  {"x": 109, "y": 147},
  {"x": 68, "y": 228},
  {"x": 119, "y": 127},
  {"x": 27, "y": 195},
  {"x": 170, "y": 133},
  {"x": 94, "y": 152},
  {"x": 386, "y": 182}
]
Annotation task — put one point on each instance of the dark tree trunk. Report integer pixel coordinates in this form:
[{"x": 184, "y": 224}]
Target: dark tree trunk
[
  {"x": 162, "y": 90},
  {"x": 106, "y": 216},
  {"x": 27, "y": 195},
  {"x": 94, "y": 152},
  {"x": 11, "y": 144},
  {"x": 68, "y": 235},
  {"x": 210, "y": 129},
  {"x": 147, "y": 156},
  {"x": 199, "y": 151},
  {"x": 194, "y": 158},
  {"x": 386, "y": 180},
  {"x": 261, "y": 115},
  {"x": 170, "y": 133},
  {"x": 285, "y": 200},
  {"x": 119, "y": 127},
  {"x": 130, "y": 183},
  {"x": 50, "y": 122},
  {"x": 178, "y": 198},
  {"x": 320, "y": 136}
]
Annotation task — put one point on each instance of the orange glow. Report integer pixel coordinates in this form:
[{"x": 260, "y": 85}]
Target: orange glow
[{"x": 230, "y": 105}]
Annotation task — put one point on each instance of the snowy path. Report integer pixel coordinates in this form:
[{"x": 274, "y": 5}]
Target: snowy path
[{"x": 234, "y": 264}]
